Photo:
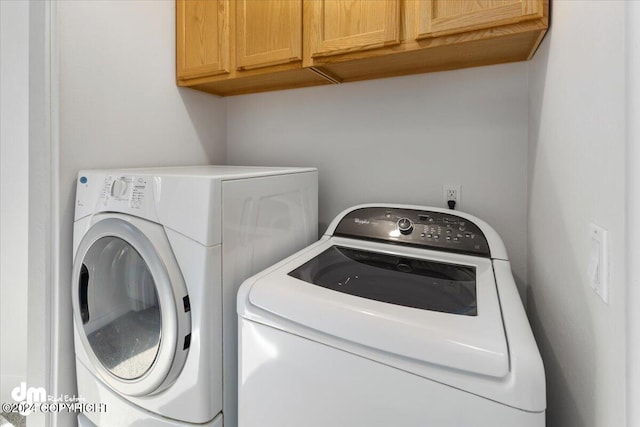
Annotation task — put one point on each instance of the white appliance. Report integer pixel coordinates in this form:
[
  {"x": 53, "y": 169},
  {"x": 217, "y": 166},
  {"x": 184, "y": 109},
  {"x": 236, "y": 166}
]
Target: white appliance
[
  {"x": 159, "y": 255},
  {"x": 401, "y": 316}
]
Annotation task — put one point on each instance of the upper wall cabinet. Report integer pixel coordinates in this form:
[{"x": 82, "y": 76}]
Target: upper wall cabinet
[
  {"x": 338, "y": 26},
  {"x": 231, "y": 47},
  {"x": 443, "y": 17},
  {"x": 202, "y": 38},
  {"x": 268, "y": 32}
]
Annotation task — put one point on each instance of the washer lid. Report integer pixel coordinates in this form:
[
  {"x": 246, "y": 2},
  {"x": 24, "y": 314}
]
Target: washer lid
[
  {"x": 422, "y": 305},
  {"x": 394, "y": 279}
]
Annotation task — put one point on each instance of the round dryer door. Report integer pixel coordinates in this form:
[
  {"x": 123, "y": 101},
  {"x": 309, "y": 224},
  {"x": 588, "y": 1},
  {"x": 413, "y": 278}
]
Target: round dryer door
[{"x": 131, "y": 304}]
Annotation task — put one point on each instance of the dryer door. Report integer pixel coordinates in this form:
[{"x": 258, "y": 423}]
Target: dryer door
[{"x": 131, "y": 306}]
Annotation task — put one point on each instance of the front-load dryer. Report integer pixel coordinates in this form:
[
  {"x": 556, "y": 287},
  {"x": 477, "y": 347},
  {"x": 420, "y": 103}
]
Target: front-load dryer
[
  {"x": 399, "y": 316},
  {"x": 159, "y": 255}
]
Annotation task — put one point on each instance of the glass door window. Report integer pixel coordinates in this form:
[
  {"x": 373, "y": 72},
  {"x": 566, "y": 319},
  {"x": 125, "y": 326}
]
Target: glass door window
[{"x": 119, "y": 308}]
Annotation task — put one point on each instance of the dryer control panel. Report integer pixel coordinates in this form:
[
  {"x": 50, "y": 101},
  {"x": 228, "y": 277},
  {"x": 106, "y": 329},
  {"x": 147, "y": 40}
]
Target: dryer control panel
[
  {"x": 129, "y": 194},
  {"x": 428, "y": 229}
]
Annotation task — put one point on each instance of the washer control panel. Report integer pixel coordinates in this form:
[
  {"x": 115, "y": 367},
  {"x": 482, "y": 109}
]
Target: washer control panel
[{"x": 429, "y": 229}]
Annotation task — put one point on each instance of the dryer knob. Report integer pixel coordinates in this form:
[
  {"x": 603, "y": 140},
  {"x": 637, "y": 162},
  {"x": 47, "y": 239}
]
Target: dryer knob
[
  {"x": 119, "y": 187},
  {"x": 405, "y": 225}
]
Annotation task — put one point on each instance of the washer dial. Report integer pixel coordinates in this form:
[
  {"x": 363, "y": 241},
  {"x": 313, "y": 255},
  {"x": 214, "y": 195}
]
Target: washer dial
[{"x": 405, "y": 225}]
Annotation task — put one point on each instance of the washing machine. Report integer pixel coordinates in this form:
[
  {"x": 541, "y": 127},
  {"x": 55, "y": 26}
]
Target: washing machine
[
  {"x": 403, "y": 316},
  {"x": 159, "y": 255}
]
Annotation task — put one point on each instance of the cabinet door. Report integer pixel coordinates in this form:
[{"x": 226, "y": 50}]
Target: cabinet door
[
  {"x": 339, "y": 26},
  {"x": 202, "y": 38},
  {"x": 442, "y": 17},
  {"x": 268, "y": 32}
]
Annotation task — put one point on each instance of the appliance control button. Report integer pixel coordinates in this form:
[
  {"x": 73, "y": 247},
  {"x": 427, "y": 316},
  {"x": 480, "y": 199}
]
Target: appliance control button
[
  {"x": 405, "y": 225},
  {"x": 119, "y": 187}
]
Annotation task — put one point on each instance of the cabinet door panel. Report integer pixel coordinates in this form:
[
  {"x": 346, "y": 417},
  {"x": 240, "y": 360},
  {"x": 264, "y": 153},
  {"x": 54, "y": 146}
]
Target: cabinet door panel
[
  {"x": 268, "y": 32},
  {"x": 442, "y": 17},
  {"x": 340, "y": 26},
  {"x": 202, "y": 37}
]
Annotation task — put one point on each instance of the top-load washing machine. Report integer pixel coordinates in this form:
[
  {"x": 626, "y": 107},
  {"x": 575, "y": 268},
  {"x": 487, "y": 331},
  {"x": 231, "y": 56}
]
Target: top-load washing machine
[
  {"x": 400, "y": 316},
  {"x": 158, "y": 257}
]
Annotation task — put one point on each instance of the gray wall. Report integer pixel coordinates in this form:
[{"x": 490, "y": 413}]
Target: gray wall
[
  {"x": 400, "y": 140},
  {"x": 119, "y": 107},
  {"x": 577, "y": 176}
]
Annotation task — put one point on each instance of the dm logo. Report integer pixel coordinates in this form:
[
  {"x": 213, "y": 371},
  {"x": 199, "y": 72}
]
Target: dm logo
[{"x": 30, "y": 395}]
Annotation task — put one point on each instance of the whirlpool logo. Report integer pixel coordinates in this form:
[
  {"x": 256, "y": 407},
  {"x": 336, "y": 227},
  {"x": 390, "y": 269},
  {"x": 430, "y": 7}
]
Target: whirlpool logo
[{"x": 362, "y": 221}]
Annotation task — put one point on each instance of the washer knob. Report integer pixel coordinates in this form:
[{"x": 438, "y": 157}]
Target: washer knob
[{"x": 405, "y": 225}]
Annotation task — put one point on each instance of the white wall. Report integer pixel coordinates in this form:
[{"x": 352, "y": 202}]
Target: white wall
[
  {"x": 14, "y": 186},
  {"x": 400, "y": 140},
  {"x": 632, "y": 27},
  {"x": 577, "y": 176},
  {"x": 38, "y": 356},
  {"x": 119, "y": 107}
]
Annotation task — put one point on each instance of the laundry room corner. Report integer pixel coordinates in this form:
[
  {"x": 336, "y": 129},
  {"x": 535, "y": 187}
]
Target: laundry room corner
[{"x": 542, "y": 153}]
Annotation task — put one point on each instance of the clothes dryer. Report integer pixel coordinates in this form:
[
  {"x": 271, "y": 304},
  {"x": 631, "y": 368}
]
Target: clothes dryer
[
  {"x": 402, "y": 316},
  {"x": 158, "y": 257}
]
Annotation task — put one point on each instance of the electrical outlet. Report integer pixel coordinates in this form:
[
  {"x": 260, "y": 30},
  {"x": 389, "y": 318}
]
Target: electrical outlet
[{"x": 451, "y": 192}]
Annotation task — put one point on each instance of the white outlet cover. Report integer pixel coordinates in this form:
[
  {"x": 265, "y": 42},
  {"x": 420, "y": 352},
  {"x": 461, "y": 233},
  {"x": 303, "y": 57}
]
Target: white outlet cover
[
  {"x": 598, "y": 269},
  {"x": 445, "y": 195}
]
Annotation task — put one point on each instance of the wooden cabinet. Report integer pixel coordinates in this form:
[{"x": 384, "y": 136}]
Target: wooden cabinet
[
  {"x": 339, "y": 26},
  {"x": 438, "y": 35},
  {"x": 442, "y": 17},
  {"x": 268, "y": 32},
  {"x": 229, "y": 47},
  {"x": 202, "y": 38},
  {"x": 242, "y": 46}
]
